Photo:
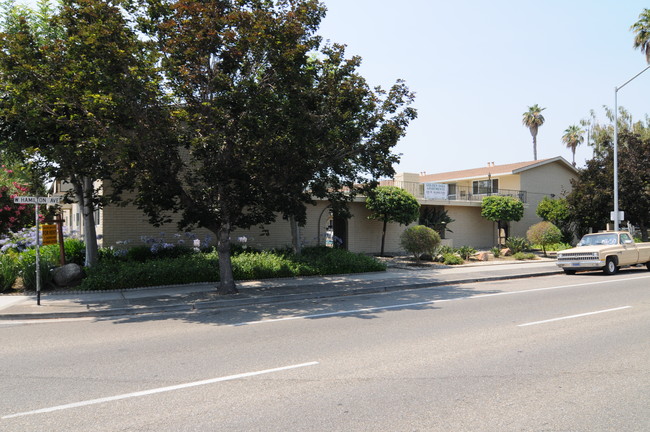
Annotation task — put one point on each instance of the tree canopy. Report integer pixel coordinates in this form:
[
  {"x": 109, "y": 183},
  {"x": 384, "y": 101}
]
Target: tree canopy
[
  {"x": 264, "y": 117},
  {"x": 76, "y": 82},
  {"x": 502, "y": 209},
  {"x": 392, "y": 204},
  {"x": 533, "y": 119}
]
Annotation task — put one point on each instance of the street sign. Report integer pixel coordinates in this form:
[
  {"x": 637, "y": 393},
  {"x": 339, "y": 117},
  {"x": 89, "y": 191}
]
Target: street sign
[
  {"x": 621, "y": 215},
  {"x": 36, "y": 200},
  {"x": 49, "y": 234}
]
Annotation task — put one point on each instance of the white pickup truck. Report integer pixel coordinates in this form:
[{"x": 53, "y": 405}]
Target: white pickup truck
[{"x": 608, "y": 251}]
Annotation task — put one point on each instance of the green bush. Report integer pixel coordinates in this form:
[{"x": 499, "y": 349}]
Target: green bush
[
  {"x": 553, "y": 247},
  {"x": 8, "y": 272},
  {"x": 140, "y": 253},
  {"x": 451, "y": 259},
  {"x": 496, "y": 251},
  {"x": 524, "y": 256},
  {"x": 132, "y": 274},
  {"x": 544, "y": 233},
  {"x": 75, "y": 251},
  {"x": 115, "y": 274},
  {"x": 27, "y": 267},
  {"x": 419, "y": 239},
  {"x": 466, "y": 251},
  {"x": 517, "y": 244}
]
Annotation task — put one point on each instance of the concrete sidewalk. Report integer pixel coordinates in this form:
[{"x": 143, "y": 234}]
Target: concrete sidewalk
[{"x": 193, "y": 297}]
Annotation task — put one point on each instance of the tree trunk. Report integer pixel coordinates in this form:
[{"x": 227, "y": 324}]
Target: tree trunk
[
  {"x": 84, "y": 192},
  {"x": 535, "y": 146},
  {"x": 383, "y": 237},
  {"x": 644, "y": 232},
  {"x": 226, "y": 276},
  {"x": 295, "y": 235}
]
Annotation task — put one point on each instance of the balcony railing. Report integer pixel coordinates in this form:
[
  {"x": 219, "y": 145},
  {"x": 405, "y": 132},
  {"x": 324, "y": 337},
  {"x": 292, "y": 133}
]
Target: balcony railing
[{"x": 458, "y": 193}]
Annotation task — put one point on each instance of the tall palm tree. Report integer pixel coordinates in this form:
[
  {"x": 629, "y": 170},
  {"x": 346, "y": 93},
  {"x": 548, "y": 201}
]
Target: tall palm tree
[
  {"x": 573, "y": 138},
  {"x": 642, "y": 30},
  {"x": 533, "y": 119}
]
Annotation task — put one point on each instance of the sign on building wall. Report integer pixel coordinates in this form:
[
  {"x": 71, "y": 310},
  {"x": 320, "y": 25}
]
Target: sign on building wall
[{"x": 436, "y": 191}]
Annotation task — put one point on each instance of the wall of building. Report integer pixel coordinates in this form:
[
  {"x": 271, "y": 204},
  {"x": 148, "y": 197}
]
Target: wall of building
[
  {"x": 469, "y": 228},
  {"x": 554, "y": 178}
]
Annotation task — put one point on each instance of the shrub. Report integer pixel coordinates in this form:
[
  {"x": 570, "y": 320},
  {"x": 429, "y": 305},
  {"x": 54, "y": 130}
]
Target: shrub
[
  {"x": 27, "y": 267},
  {"x": 419, "y": 240},
  {"x": 466, "y": 251},
  {"x": 75, "y": 251},
  {"x": 496, "y": 251},
  {"x": 517, "y": 244},
  {"x": 203, "y": 267},
  {"x": 524, "y": 256},
  {"x": 8, "y": 272},
  {"x": 544, "y": 233},
  {"x": 452, "y": 259},
  {"x": 139, "y": 253}
]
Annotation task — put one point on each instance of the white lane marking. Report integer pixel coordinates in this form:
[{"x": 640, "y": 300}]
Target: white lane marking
[
  {"x": 46, "y": 321},
  {"x": 429, "y": 302},
  {"x": 158, "y": 390},
  {"x": 574, "y": 316}
]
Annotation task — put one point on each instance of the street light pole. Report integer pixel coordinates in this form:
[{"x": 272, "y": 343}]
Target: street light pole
[{"x": 617, "y": 220}]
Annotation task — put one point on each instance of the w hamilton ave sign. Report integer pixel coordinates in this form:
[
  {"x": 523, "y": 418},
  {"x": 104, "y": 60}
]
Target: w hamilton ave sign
[{"x": 36, "y": 200}]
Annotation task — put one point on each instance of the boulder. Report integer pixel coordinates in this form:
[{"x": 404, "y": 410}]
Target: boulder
[
  {"x": 67, "y": 275},
  {"x": 506, "y": 252},
  {"x": 483, "y": 256}
]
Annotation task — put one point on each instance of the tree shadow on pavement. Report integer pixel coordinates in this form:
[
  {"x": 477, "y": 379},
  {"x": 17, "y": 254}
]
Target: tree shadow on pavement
[{"x": 355, "y": 306}]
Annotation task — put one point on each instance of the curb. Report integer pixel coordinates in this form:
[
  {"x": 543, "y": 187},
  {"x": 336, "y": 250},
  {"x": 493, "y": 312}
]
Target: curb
[{"x": 228, "y": 303}]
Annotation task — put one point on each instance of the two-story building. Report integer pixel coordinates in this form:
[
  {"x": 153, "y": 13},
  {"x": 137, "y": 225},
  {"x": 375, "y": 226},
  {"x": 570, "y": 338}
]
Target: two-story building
[{"x": 459, "y": 193}]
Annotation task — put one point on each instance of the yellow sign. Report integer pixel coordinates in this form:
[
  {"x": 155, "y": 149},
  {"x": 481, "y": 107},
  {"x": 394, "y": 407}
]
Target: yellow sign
[{"x": 49, "y": 234}]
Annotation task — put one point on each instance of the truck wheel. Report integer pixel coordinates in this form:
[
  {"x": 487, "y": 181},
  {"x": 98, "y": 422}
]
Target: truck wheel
[
  {"x": 570, "y": 272},
  {"x": 610, "y": 266},
  {"x": 647, "y": 265}
]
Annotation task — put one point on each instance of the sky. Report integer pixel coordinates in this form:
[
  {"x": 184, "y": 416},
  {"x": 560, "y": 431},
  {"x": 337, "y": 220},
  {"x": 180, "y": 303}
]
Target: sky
[{"x": 477, "y": 65}]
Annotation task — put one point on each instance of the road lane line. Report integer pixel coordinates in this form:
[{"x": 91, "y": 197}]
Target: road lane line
[
  {"x": 574, "y": 316},
  {"x": 158, "y": 390},
  {"x": 424, "y": 303}
]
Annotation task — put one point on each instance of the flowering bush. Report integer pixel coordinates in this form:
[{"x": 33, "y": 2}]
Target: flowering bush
[{"x": 13, "y": 216}]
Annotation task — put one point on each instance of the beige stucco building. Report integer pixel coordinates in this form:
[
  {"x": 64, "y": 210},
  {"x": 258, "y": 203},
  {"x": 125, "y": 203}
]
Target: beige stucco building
[{"x": 459, "y": 193}]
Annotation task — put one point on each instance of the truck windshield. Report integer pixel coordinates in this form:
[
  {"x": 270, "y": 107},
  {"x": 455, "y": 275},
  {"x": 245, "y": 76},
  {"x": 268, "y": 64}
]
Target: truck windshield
[{"x": 599, "y": 239}]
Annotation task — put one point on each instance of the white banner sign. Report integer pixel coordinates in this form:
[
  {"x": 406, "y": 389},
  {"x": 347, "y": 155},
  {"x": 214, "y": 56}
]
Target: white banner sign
[
  {"x": 36, "y": 200},
  {"x": 436, "y": 191}
]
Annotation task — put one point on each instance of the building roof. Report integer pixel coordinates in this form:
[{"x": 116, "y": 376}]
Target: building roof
[{"x": 493, "y": 170}]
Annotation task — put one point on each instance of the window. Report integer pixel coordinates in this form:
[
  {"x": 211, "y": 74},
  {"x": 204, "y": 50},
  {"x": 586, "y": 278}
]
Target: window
[
  {"x": 626, "y": 238},
  {"x": 480, "y": 187}
]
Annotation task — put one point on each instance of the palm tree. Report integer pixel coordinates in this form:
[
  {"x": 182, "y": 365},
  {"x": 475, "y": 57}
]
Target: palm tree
[
  {"x": 642, "y": 30},
  {"x": 573, "y": 138},
  {"x": 533, "y": 119}
]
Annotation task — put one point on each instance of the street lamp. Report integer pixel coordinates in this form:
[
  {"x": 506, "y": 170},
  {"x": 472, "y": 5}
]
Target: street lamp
[{"x": 617, "y": 219}]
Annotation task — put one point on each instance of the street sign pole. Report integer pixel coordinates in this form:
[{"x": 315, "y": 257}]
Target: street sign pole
[
  {"x": 38, "y": 259},
  {"x": 36, "y": 201}
]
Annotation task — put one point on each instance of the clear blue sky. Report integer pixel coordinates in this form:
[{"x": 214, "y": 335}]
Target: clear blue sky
[{"x": 477, "y": 65}]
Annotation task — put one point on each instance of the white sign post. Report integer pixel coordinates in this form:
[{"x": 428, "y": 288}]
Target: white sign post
[{"x": 36, "y": 201}]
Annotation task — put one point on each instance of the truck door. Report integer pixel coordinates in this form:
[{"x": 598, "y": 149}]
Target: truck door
[{"x": 630, "y": 253}]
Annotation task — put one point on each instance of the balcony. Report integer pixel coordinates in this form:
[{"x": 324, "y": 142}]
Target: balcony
[{"x": 457, "y": 193}]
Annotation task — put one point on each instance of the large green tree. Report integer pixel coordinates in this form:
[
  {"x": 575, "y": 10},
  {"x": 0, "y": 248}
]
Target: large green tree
[
  {"x": 502, "y": 210},
  {"x": 533, "y": 119},
  {"x": 75, "y": 84},
  {"x": 266, "y": 119},
  {"x": 392, "y": 204}
]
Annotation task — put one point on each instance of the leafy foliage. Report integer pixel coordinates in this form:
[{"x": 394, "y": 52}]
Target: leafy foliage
[
  {"x": 8, "y": 272},
  {"x": 533, "y": 119},
  {"x": 437, "y": 219},
  {"x": 466, "y": 252},
  {"x": 524, "y": 256},
  {"x": 392, "y": 204},
  {"x": 517, "y": 244},
  {"x": 544, "y": 233},
  {"x": 452, "y": 259},
  {"x": 502, "y": 209},
  {"x": 419, "y": 239}
]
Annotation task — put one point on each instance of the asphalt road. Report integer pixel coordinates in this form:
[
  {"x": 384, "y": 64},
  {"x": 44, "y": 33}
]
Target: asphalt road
[{"x": 558, "y": 353}]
